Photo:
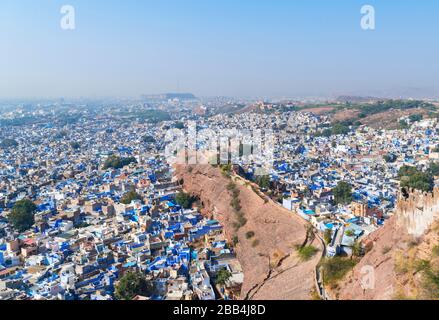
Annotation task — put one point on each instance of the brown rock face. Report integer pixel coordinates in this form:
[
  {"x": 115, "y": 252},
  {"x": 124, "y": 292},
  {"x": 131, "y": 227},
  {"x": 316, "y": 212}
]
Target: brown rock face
[
  {"x": 389, "y": 270},
  {"x": 271, "y": 267},
  {"x": 378, "y": 264}
]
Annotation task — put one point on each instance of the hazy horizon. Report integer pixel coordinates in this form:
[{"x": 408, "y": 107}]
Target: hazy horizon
[{"x": 218, "y": 48}]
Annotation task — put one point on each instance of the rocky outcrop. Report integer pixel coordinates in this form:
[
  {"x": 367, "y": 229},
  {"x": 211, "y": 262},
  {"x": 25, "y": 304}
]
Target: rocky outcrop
[
  {"x": 374, "y": 278},
  {"x": 271, "y": 267},
  {"x": 388, "y": 270},
  {"x": 418, "y": 211}
]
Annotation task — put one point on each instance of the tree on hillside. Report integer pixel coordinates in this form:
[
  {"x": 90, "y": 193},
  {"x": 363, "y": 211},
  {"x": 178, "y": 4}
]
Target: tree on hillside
[
  {"x": 403, "y": 125},
  {"x": 340, "y": 128},
  {"x": 133, "y": 284},
  {"x": 184, "y": 200},
  {"x": 411, "y": 177},
  {"x": 327, "y": 236},
  {"x": 416, "y": 117},
  {"x": 22, "y": 215},
  {"x": 342, "y": 193},
  {"x": 223, "y": 276},
  {"x": 357, "y": 249},
  {"x": 263, "y": 181}
]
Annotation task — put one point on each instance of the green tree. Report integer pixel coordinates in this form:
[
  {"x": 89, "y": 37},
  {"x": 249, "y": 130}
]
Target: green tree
[
  {"x": 307, "y": 252},
  {"x": 223, "y": 276},
  {"x": 407, "y": 171},
  {"x": 263, "y": 181},
  {"x": 415, "y": 117},
  {"x": 184, "y": 200},
  {"x": 403, "y": 124},
  {"x": 310, "y": 235},
  {"x": 226, "y": 169},
  {"x": 342, "y": 193},
  {"x": 382, "y": 106},
  {"x": 130, "y": 196},
  {"x": 148, "y": 139},
  {"x": 357, "y": 249},
  {"x": 179, "y": 125},
  {"x": 434, "y": 169},
  {"x": 131, "y": 285},
  {"x": 334, "y": 269},
  {"x": 350, "y": 233},
  {"x": 327, "y": 236},
  {"x": 151, "y": 116},
  {"x": 340, "y": 128},
  {"x": 22, "y": 215},
  {"x": 116, "y": 162},
  {"x": 419, "y": 181},
  {"x": 411, "y": 177},
  {"x": 8, "y": 143},
  {"x": 325, "y": 133},
  {"x": 75, "y": 145}
]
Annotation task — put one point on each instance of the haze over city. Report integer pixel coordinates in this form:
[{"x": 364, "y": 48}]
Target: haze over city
[{"x": 218, "y": 48}]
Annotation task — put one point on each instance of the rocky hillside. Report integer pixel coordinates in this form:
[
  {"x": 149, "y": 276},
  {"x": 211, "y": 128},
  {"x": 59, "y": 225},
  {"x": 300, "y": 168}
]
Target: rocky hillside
[
  {"x": 266, "y": 235},
  {"x": 403, "y": 261}
]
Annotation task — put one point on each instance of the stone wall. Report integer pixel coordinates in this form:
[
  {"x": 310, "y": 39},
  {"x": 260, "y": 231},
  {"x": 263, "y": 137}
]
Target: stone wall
[{"x": 418, "y": 211}]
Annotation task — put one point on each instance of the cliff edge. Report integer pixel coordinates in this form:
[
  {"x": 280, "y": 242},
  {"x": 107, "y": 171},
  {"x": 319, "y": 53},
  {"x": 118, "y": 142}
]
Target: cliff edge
[
  {"x": 403, "y": 257},
  {"x": 271, "y": 265}
]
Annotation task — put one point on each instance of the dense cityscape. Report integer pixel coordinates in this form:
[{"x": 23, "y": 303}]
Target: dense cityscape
[
  {"x": 218, "y": 159},
  {"x": 90, "y": 202}
]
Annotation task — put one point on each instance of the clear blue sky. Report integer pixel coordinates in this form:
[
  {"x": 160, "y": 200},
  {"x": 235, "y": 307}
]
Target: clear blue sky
[{"x": 217, "y": 47}]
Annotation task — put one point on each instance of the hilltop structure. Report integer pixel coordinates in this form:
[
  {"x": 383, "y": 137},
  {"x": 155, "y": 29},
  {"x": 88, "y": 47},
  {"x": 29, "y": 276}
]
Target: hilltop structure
[{"x": 418, "y": 211}]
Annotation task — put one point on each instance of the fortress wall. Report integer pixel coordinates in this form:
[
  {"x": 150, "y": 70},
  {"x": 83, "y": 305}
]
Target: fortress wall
[{"x": 418, "y": 211}]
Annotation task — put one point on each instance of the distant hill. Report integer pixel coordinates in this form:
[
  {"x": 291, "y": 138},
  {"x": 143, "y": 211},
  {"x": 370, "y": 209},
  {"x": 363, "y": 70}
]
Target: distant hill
[
  {"x": 383, "y": 113},
  {"x": 169, "y": 96},
  {"x": 358, "y": 99}
]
